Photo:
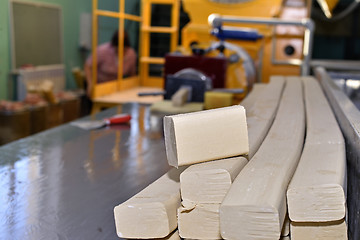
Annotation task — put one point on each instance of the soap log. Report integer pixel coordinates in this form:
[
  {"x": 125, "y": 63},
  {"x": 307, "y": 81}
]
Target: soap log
[
  {"x": 210, "y": 181},
  {"x": 251, "y": 97},
  {"x": 261, "y": 115},
  {"x": 316, "y": 192},
  {"x": 255, "y": 206},
  {"x": 200, "y": 221},
  {"x": 207, "y": 135},
  {"x": 319, "y": 231},
  {"x": 321, "y": 123},
  {"x": 152, "y": 212}
]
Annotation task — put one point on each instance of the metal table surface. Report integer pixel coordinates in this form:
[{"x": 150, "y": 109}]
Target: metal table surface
[{"x": 64, "y": 183}]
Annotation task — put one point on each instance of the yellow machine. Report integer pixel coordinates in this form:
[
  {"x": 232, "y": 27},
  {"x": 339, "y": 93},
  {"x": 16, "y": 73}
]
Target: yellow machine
[
  {"x": 258, "y": 38},
  {"x": 280, "y": 43}
]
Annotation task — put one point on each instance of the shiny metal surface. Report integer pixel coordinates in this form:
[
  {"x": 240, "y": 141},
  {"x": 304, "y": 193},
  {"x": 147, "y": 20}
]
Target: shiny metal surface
[
  {"x": 63, "y": 183},
  {"x": 348, "y": 117}
]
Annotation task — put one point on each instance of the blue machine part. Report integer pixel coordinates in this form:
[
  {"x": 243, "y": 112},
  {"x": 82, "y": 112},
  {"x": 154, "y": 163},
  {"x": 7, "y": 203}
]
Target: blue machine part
[{"x": 246, "y": 34}]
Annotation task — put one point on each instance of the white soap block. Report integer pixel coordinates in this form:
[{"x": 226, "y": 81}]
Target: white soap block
[
  {"x": 152, "y": 212},
  {"x": 200, "y": 221},
  {"x": 255, "y": 206},
  {"x": 206, "y": 135},
  {"x": 261, "y": 115},
  {"x": 210, "y": 181},
  {"x": 316, "y": 192},
  {"x": 319, "y": 231}
]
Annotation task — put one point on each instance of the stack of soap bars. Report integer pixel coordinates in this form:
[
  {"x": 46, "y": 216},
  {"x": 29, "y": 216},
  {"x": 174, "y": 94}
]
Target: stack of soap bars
[{"x": 232, "y": 169}]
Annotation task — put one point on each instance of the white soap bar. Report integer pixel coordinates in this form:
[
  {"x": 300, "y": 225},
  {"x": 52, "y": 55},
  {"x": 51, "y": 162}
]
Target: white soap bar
[
  {"x": 152, "y": 212},
  {"x": 206, "y": 135},
  {"x": 255, "y": 206},
  {"x": 319, "y": 231},
  {"x": 316, "y": 191},
  {"x": 261, "y": 115},
  {"x": 210, "y": 181},
  {"x": 200, "y": 221}
]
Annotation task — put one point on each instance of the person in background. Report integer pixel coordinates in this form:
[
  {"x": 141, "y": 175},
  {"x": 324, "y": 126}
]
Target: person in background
[{"x": 107, "y": 61}]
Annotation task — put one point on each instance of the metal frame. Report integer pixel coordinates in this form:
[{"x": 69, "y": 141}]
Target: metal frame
[
  {"x": 348, "y": 117},
  {"x": 346, "y": 65},
  {"x": 12, "y": 33},
  {"x": 147, "y": 29},
  {"x": 216, "y": 21}
]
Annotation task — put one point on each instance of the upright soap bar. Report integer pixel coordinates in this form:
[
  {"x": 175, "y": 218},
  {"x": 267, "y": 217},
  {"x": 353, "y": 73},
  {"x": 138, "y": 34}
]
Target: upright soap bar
[
  {"x": 255, "y": 206},
  {"x": 336, "y": 230},
  {"x": 199, "y": 221},
  {"x": 152, "y": 212},
  {"x": 181, "y": 96},
  {"x": 210, "y": 181},
  {"x": 206, "y": 135}
]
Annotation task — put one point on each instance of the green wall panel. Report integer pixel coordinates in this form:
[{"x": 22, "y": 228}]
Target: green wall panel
[
  {"x": 4, "y": 48},
  {"x": 71, "y": 11}
]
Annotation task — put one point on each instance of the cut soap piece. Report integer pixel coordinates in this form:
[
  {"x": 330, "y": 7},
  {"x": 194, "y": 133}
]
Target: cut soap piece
[
  {"x": 152, "y": 212},
  {"x": 316, "y": 191},
  {"x": 181, "y": 96},
  {"x": 319, "y": 231},
  {"x": 210, "y": 181},
  {"x": 166, "y": 107},
  {"x": 261, "y": 115},
  {"x": 172, "y": 236},
  {"x": 255, "y": 206},
  {"x": 206, "y": 135},
  {"x": 199, "y": 221},
  {"x": 218, "y": 99}
]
